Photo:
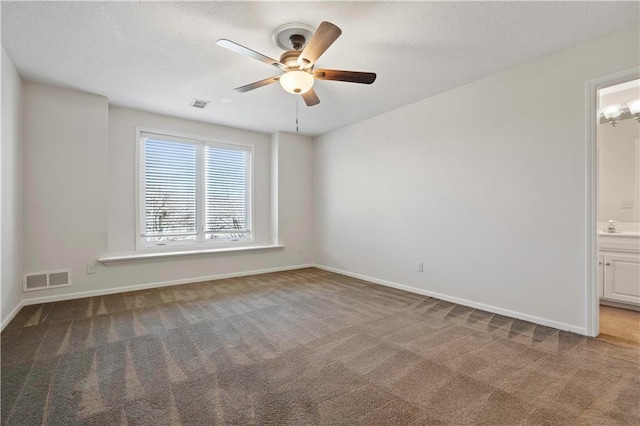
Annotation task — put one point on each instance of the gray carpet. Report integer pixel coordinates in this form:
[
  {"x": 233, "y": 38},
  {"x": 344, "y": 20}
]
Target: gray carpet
[{"x": 303, "y": 347}]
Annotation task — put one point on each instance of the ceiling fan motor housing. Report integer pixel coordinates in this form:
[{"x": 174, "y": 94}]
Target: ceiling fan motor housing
[
  {"x": 296, "y": 80},
  {"x": 290, "y": 58}
]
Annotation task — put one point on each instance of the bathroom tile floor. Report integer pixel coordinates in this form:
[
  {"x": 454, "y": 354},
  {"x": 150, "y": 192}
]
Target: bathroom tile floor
[{"x": 620, "y": 325}]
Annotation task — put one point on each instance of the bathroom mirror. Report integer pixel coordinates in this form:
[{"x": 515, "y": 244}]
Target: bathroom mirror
[{"x": 619, "y": 157}]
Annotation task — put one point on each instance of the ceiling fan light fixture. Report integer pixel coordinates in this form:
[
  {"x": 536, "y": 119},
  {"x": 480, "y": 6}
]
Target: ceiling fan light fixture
[{"x": 296, "y": 82}]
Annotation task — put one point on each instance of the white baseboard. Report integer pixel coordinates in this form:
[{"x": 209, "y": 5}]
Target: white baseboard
[
  {"x": 452, "y": 299},
  {"x": 12, "y": 314},
  {"x": 103, "y": 292},
  {"x": 460, "y": 301}
]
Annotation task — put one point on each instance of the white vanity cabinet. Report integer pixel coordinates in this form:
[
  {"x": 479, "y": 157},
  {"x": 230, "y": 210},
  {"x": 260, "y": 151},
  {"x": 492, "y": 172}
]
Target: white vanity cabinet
[
  {"x": 622, "y": 277},
  {"x": 619, "y": 269}
]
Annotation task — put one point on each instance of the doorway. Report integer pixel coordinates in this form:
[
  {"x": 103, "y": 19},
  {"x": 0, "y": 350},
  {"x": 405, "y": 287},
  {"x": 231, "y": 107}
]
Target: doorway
[{"x": 613, "y": 213}]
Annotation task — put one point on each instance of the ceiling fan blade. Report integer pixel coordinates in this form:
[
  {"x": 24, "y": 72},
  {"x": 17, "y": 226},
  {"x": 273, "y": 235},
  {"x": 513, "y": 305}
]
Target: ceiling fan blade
[
  {"x": 256, "y": 84},
  {"x": 348, "y": 76},
  {"x": 324, "y": 36},
  {"x": 310, "y": 97},
  {"x": 235, "y": 47}
]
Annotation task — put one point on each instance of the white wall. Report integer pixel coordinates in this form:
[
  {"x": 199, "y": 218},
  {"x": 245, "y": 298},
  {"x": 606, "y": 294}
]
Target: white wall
[
  {"x": 617, "y": 169},
  {"x": 11, "y": 183},
  {"x": 295, "y": 193},
  {"x": 485, "y": 184},
  {"x": 66, "y": 161},
  {"x": 76, "y": 142}
]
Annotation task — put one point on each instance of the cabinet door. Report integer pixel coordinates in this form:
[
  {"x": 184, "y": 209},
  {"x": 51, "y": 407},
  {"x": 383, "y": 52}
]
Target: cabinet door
[
  {"x": 600, "y": 275},
  {"x": 622, "y": 277}
]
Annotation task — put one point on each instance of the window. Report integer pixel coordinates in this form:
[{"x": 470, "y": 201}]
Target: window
[{"x": 193, "y": 191}]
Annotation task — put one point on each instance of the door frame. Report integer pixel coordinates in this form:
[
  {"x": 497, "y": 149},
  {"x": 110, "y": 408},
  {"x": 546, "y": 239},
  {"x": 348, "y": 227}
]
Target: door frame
[
  {"x": 636, "y": 206},
  {"x": 592, "y": 302}
]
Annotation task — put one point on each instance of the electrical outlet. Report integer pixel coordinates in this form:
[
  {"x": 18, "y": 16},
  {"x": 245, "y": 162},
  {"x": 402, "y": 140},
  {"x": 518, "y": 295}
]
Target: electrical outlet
[
  {"x": 420, "y": 266},
  {"x": 626, "y": 204},
  {"x": 300, "y": 250},
  {"x": 91, "y": 268}
]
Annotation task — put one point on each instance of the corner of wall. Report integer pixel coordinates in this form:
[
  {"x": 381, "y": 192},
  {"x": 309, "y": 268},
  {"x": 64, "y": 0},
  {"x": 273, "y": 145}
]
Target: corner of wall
[
  {"x": 274, "y": 188},
  {"x": 11, "y": 201}
]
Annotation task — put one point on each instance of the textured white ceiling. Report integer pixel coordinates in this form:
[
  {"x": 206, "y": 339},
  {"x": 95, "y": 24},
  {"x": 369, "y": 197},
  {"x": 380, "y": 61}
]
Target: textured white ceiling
[{"x": 158, "y": 56}]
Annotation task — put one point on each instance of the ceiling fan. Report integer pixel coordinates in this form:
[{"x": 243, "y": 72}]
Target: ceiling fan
[{"x": 298, "y": 61}]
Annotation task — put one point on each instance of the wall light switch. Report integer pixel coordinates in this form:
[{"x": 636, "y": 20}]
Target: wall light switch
[
  {"x": 420, "y": 266},
  {"x": 91, "y": 268},
  {"x": 626, "y": 204}
]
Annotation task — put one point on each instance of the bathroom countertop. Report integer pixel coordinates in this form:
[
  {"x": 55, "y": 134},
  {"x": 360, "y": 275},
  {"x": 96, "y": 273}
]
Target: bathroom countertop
[
  {"x": 626, "y": 241},
  {"x": 619, "y": 234}
]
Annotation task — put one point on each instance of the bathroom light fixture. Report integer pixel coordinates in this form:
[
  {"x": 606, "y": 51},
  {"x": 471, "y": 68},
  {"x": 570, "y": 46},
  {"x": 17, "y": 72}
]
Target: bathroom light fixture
[
  {"x": 296, "y": 81},
  {"x": 611, "y": 113},
  {"x": 634, "y": 109}
]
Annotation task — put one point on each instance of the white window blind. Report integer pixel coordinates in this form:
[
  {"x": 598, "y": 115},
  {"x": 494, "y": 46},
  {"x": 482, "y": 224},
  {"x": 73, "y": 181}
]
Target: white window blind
[
  {"x": 193, "y": 191},
  {"x": 170, "y": 191},
  {"x": 226, "y": 193}
]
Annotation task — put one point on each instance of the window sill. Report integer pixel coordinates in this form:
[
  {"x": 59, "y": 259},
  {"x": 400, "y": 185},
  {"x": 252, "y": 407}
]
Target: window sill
[{"x": 141, "y": 257}]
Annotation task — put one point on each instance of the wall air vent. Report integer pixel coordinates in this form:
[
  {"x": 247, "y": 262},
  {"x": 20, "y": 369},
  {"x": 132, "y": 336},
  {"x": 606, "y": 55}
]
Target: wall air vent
[
  {"x": 199, "y": 103},
  {"x": 45, "y": 280}
]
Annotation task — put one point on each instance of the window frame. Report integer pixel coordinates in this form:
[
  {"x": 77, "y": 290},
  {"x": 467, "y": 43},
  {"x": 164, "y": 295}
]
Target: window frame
[{"x": 200, "y": 142}]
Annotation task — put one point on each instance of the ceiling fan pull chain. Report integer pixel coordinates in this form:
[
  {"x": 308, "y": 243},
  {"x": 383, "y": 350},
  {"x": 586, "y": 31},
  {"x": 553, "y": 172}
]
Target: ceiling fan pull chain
[{"x": 297, "y": 117}]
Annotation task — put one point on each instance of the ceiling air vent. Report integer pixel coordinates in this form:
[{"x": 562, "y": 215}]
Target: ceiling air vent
[
  {"x": 45, "y": 280},
  {"x": 199, "y": 103}
]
